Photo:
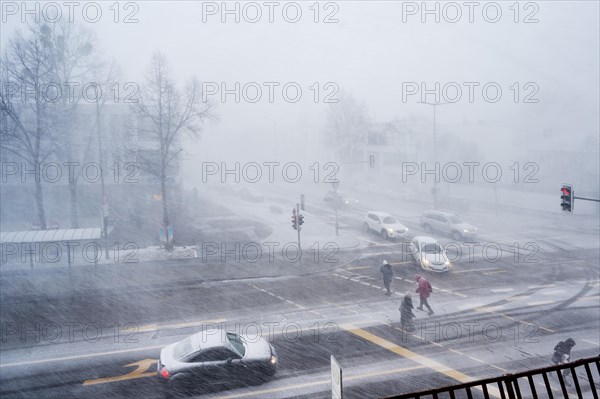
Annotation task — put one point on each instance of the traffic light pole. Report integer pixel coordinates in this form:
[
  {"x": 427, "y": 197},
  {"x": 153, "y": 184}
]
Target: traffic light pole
[
  {"x": 299, "y": 227},
  {"x": 587, "y": 199}
]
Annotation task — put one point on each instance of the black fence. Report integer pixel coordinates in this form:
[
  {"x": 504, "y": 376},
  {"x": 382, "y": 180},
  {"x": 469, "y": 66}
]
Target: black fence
[{"x": 578, "y": 379}]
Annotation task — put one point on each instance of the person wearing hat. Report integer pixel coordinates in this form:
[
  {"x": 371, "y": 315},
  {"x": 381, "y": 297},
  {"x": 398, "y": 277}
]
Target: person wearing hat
[
  {"x": 388, "y": 274},
  {"x": 562, "y": 355},
  {"x": 423, "y": 289},
  {"x": 406, "y": 312}
]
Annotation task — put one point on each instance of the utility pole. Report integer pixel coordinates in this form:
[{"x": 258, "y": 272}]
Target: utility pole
[
  {"x": 104, "y": 199},
  {"x": 435, "y": 188}
]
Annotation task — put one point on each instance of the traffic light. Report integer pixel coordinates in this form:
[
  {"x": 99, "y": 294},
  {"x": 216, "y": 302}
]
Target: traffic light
[
  {"x": 567, "y": 198},
  {"x": 294, "y": 220},
  {"x": 300, "y": 220}
]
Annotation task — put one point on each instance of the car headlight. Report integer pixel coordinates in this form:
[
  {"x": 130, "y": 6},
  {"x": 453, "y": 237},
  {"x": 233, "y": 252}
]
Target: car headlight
[
  {"x": 425, "y": 261},
  {"x": 390, "y": 230},
  {"x": 273, "y": 359},
  {"x": 465, "y": 231}
]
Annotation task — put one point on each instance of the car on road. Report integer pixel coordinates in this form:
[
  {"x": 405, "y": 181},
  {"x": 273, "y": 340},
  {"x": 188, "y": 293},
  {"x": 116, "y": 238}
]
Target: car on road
[
  {"x": 216, "y": 355},
  {"x": 447, "y": 223},
  {"x": 429, "y": 254},
  {"x": 249, "y": 194},
  {"x": 384, "y": 224},
  {"x": 340, "y": 199}
]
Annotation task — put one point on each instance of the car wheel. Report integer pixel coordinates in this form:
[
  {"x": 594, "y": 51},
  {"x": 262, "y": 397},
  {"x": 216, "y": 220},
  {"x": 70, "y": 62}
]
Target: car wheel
[
  {"x": 456, "y": 235},
  {"x": 427, "y": 228},
  {"x": 384, "y": 234},
  {"x": 179, "y": 386},
  {"x": 366, "y": 227}
]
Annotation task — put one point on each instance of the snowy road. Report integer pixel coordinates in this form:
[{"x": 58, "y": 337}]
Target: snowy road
[{"x": 490, "y": 319}]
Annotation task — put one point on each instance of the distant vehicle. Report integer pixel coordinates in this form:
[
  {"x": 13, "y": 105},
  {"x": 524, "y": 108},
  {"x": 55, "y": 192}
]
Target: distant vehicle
[
  {"x": 384, "y": 224},
  {"x": 214, "y": 356},
  {"x": 454, "y": 203},
  {"x": 447, "y": 223},
  {"x": 340, "y": 199},
  {"x": 430, "y": 255},
  {"x": 249, "y": 194}
]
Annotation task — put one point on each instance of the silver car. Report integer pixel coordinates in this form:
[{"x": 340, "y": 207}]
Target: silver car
[
  {"x": 430, "y": 255},
  {"x": 447, "y": 223},
  {"x": 213, "y": 356}
]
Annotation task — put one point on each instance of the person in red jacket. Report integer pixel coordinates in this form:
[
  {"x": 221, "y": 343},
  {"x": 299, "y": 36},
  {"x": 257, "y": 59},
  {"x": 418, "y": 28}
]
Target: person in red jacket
[{"x": 423, "y": 289}]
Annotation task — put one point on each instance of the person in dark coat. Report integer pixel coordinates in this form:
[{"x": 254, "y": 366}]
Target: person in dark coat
[
  {"x": 406, "y": 312},
  {"x": 388, "y": 274},
  {"x": 562, "y": 355},
  {"x": 423, "y": 289}
]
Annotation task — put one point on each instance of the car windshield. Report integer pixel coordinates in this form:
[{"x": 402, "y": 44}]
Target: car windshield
[
  {"x": 455, "y": 220},
  {"x": 389, "y": 220},
  {"x": 183, "y": 348},
  {"x": 432, "y": 248},
  {"x": 237, "y": 343}
]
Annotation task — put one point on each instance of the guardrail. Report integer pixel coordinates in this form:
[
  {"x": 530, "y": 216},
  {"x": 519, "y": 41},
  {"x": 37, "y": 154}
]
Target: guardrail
[{"x": 549, "y": 380}]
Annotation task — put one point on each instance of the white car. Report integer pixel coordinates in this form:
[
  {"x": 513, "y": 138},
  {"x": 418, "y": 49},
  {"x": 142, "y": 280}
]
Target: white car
[
  {"x": 384, "y": 224},
  {"x": 429, "y": 254}
]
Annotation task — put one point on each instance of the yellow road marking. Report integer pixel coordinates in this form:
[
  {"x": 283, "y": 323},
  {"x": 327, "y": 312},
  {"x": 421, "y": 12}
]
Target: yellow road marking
[
  {"x": 321, "y": 382},
  {"x": 140, "y": 371},
  {"x": 495, "y": 272},
  {"x": 422, "y": 360},
  {"x": 358, "y": 267}
]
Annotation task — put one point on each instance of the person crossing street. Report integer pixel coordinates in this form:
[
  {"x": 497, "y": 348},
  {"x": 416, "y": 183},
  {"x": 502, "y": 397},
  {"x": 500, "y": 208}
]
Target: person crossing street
[
  {"x": 424, "y": 290},
  {"x": 388, "y": 274}
]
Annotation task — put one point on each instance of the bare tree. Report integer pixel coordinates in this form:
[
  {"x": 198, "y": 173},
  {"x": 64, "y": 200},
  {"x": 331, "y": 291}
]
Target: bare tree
[
  {"x": 73, "y": 64},
  {"x": 348, "y": 126},
  {"x": 26, "y": 125},
  {"x": 165, "y": 115}
]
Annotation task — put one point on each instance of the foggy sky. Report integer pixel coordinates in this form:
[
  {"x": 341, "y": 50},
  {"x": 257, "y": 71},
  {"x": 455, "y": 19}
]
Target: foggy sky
[{"x": 368, "y": 53}]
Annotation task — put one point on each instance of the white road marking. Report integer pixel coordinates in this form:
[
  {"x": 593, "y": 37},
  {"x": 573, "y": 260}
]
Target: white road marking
[
  {"x": 502, "y": 290},
  {"x": 539, "y": 303},
  {"x": 58, "y": 359}
]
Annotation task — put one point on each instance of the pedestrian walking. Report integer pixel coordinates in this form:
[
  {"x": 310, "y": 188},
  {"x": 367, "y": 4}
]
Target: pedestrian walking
[
  {"x": 562, "y": 355},
  {"x": 388, "y": 274},
  {"x": 423, "y": 289},
  {"x": 406, "y": 312}
]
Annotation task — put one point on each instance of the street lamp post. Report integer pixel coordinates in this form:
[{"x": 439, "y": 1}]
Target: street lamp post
[
  {"x": 435, "y": 188},
  {"x": 276, "y": 139}
]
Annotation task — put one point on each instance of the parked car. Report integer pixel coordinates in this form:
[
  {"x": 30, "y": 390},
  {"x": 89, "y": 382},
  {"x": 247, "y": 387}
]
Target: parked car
[
  {"x": 213, "y": 356},
  {"x": 429, "y": 254},
  {"x": 384, "y": 224},
  {"x": 342, "y": 200},
  {"x": 447, "y": 223}
]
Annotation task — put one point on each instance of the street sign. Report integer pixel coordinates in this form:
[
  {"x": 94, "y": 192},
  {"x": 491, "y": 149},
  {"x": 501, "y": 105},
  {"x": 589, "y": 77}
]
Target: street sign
[{"x": 336, "y": 379}]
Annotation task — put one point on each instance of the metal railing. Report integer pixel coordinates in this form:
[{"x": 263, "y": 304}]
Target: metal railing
[{"x": 547, "y": 382}]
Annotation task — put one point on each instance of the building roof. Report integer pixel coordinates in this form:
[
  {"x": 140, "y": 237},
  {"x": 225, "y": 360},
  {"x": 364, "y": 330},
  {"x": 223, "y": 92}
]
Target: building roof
[{"x": 18, "y": 237}]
